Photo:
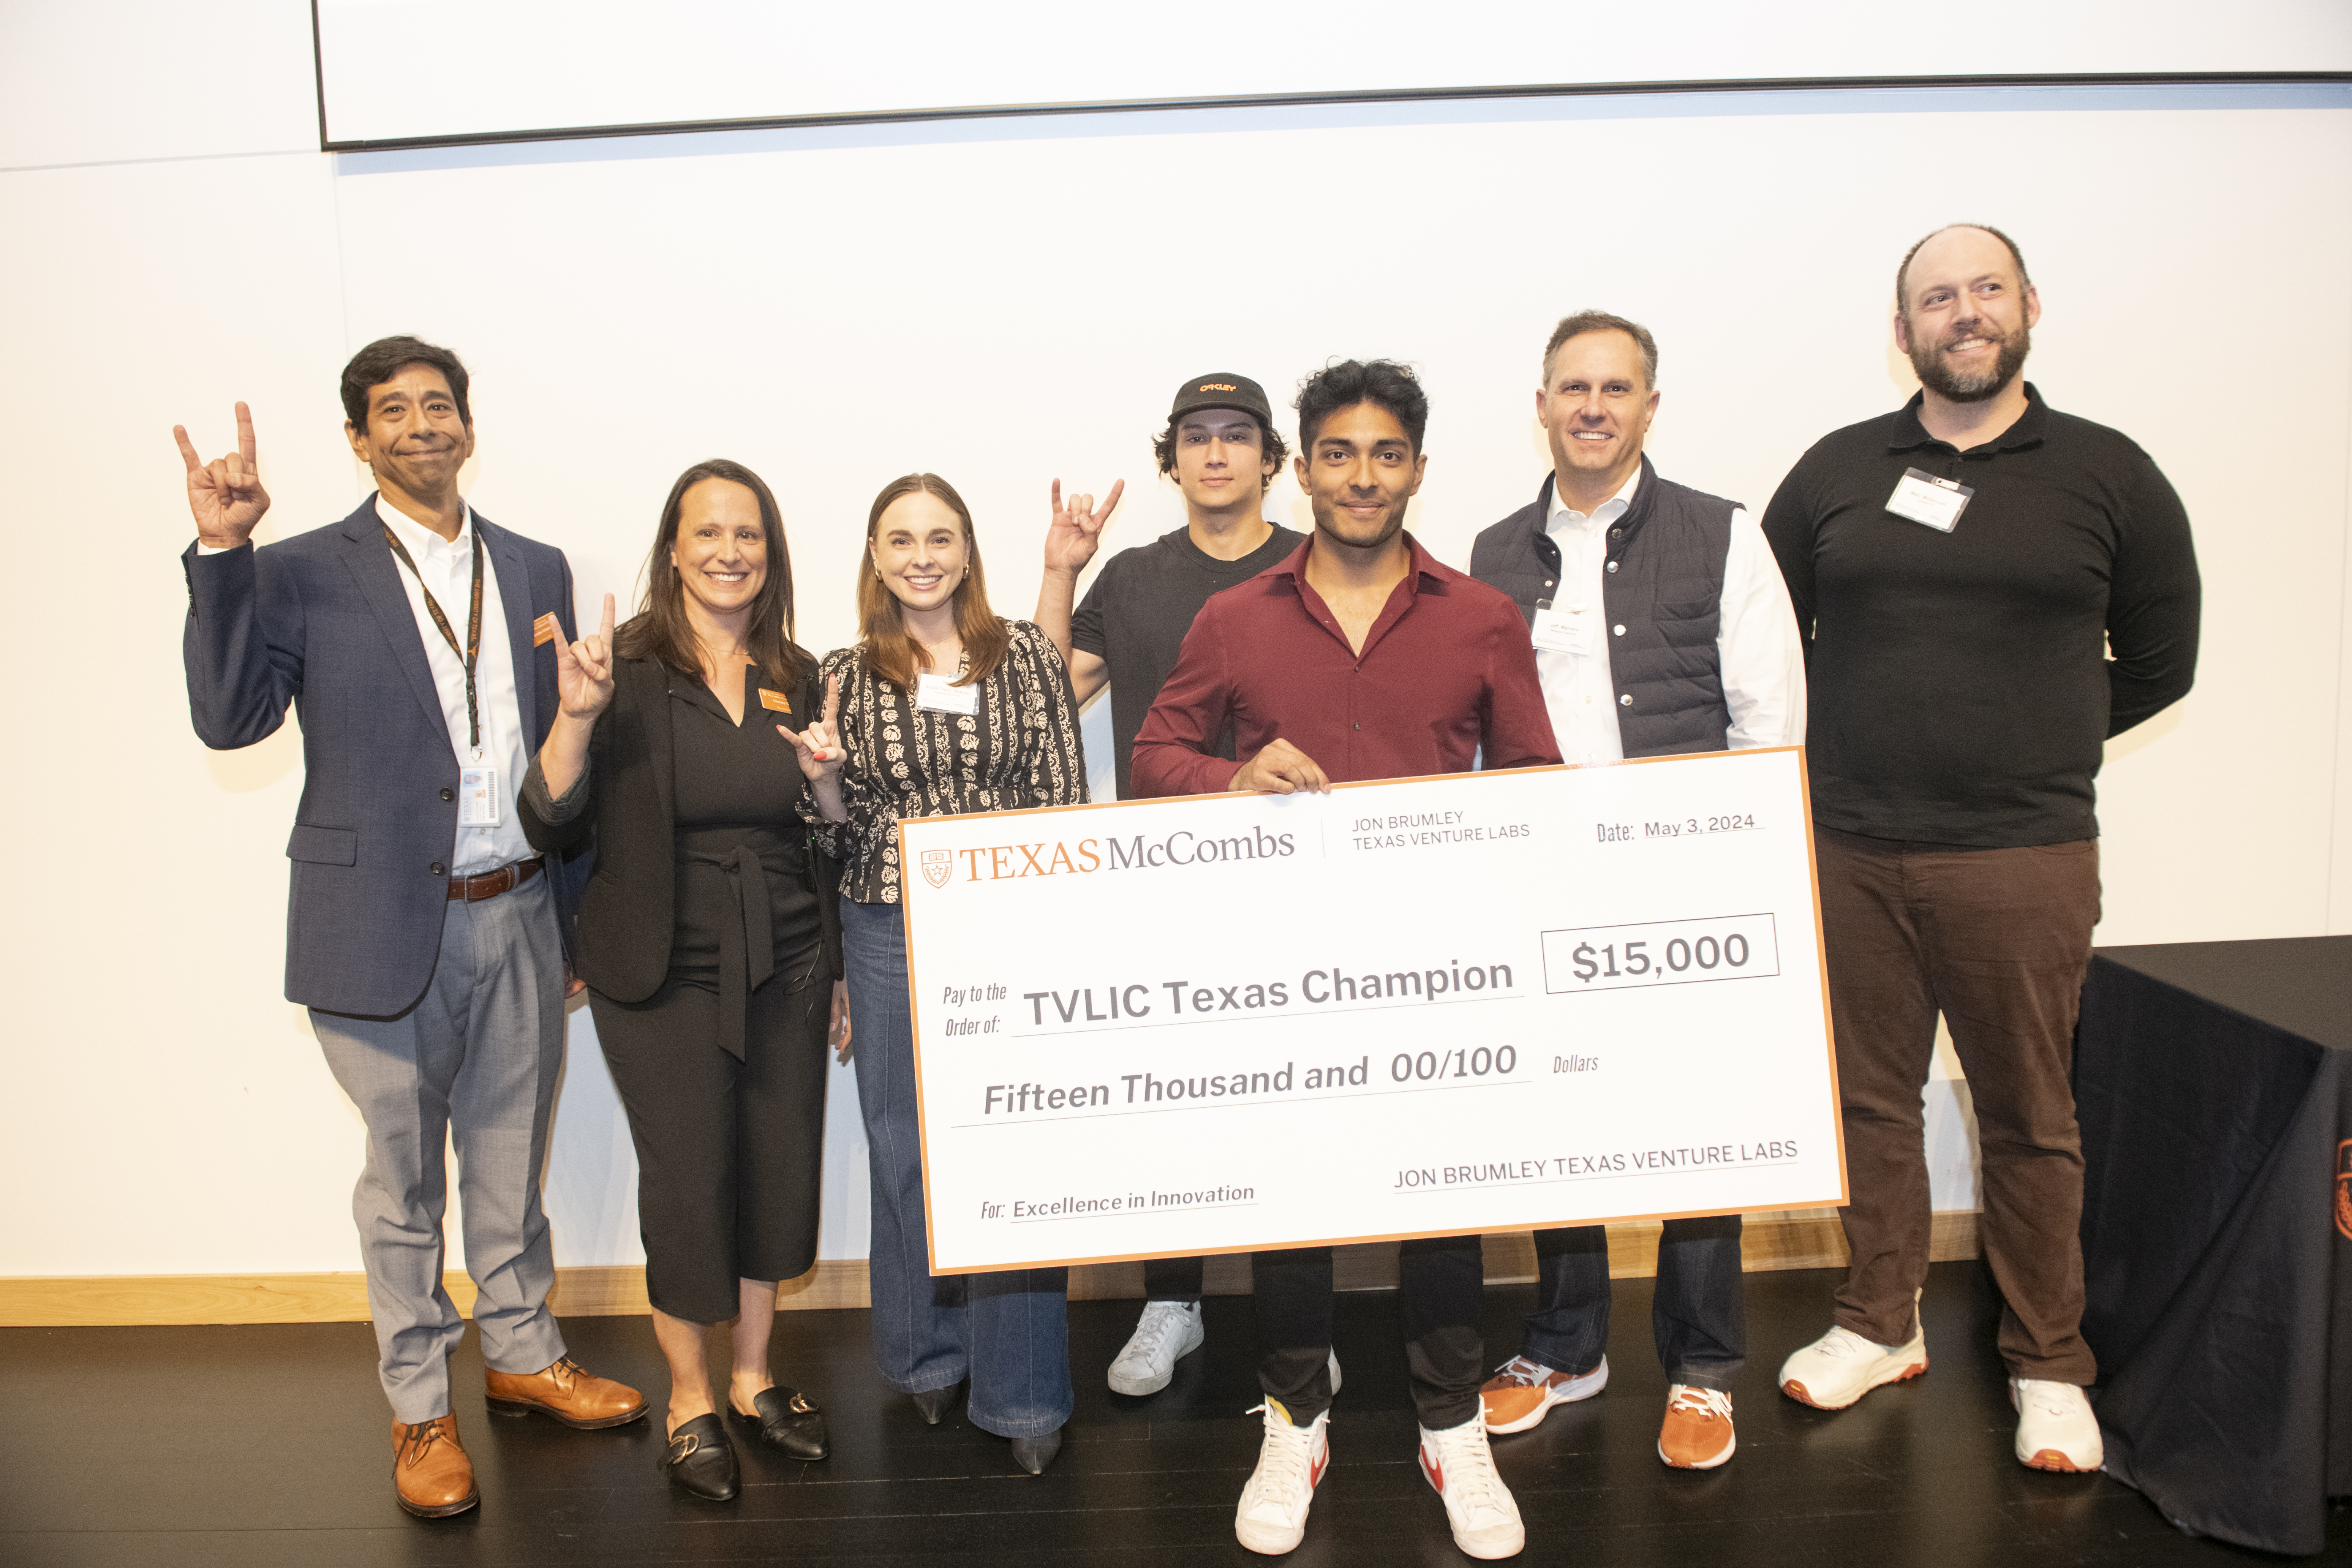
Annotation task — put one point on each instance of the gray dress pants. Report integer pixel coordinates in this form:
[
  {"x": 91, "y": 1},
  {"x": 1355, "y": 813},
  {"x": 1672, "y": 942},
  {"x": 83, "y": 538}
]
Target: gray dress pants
[{"x": 477, "y": 1058}]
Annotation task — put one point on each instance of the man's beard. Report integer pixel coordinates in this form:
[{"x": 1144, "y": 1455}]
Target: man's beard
[{"x": 1927, "y": 362}]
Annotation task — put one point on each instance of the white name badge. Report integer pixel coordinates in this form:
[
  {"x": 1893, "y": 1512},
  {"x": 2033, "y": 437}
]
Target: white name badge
[
  {"x": 478, "y": 797},
  {"x": 1562, "y": 631},
  {"x": 936, "y": 694},
  {"x": 1925, "y": 498}
]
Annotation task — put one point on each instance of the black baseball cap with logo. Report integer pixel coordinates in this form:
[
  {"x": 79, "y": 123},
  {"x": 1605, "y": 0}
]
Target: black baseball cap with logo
[{"x": 1223, "y": 390}]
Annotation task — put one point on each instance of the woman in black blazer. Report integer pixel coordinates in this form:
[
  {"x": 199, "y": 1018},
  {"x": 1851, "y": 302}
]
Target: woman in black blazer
[{"x": 713, "y": 966}]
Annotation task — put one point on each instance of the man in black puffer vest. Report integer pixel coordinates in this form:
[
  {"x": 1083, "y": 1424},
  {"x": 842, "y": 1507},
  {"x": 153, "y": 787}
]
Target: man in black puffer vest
[{"x": 1661, "y": 625}]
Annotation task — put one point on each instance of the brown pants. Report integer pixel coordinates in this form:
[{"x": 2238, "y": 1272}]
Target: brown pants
[{"x": 1998, "y": 942}]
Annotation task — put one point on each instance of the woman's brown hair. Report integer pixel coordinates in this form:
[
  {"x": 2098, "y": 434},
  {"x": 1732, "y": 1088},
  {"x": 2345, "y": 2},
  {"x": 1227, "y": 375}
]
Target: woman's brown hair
[
  {"x": 660, "y": 631},
  {"x": 886, "y": 646}
]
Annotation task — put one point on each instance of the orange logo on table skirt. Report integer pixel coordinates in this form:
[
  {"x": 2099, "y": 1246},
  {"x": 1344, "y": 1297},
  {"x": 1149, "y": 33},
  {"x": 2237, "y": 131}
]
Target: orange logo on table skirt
[
  {"x": 939, "y": 864},
  {"x": 2343, "y": 1189}
]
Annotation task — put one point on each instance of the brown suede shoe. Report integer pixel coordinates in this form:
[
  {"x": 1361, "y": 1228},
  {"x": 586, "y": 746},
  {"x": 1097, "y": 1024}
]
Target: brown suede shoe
[
  {"x": 568, "y": 1392},
  {"x": 430, "y": 1473}
]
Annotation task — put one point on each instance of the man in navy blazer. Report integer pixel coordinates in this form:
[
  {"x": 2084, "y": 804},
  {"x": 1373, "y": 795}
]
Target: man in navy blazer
[{"x": 422, "y": 934}]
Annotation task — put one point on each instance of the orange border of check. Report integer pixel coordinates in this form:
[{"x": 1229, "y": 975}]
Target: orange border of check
[{"x": 1821, "y": 959}]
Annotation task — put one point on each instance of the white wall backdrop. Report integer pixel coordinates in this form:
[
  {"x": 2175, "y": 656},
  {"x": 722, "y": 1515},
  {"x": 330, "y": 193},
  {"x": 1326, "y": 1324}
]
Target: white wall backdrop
[{"x": 1003, "y": 302}]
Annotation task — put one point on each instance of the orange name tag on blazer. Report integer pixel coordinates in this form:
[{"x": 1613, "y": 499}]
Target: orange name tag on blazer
[
  {"x": 775, "y": 702},
  {"x": 543, "y": 630}
]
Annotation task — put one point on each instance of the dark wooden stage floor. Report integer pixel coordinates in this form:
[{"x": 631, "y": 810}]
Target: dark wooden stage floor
[{"x": 257, "y": 1447}]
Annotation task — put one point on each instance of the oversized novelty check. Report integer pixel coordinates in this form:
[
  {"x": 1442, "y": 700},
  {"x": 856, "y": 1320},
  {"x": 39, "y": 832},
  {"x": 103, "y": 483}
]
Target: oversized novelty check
[{"x": 1482, "y": 1002}]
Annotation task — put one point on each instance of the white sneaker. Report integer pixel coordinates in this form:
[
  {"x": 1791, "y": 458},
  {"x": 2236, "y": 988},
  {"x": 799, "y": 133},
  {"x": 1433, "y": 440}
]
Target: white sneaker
[
  {"x": 1335, "y": 1373},
  {"x": 2055, "y": 1428},
  {"x": 1477, "y": 1504},
  {"x": 1168, "y": 1331},
  {"x": 1842, "y": 1366},
  {"x": 1272, "y": 1517}
]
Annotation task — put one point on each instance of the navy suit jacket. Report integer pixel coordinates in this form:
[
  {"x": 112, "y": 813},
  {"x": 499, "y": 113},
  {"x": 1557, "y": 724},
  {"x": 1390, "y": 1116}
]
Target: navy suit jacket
[{"x": 321, "y": 620}]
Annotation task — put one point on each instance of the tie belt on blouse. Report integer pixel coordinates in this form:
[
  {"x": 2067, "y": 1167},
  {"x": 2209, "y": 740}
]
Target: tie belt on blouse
[{"x": 746, "y": 946}]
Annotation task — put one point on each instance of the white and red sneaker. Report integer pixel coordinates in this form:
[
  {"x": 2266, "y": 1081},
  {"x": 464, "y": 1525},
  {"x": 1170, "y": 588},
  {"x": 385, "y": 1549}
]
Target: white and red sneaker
[
  {"x": 2055, "y": 1428},
  {"x": 1459, "y": 1463},
  {"x": 1842, "y": 1366},
  {"x": 1272, "y": 1517}
]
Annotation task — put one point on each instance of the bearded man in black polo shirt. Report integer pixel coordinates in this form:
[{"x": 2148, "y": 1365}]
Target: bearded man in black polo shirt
[
  {"x": 1989, "y": 589},
  {"x": 1222, "y": 449}
]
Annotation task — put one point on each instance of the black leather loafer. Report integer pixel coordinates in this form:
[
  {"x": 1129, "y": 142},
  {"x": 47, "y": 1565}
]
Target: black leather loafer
[
  {"x": 789, "y": 1422},
  {"x": 1033, "y": 1453},
  {"x": 934, "y": 1403},
  {"x": 700, "y": 1459}
]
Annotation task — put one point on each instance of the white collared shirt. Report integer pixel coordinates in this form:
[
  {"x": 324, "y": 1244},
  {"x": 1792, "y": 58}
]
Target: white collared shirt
[
  {"x": 1757, "y": 651},
  {"x": 446, "y": 567}
]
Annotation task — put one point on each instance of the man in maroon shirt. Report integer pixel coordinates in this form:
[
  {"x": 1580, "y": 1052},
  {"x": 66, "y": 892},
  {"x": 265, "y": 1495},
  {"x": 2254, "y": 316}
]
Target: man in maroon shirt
[{"x": 1358, "y": 658}]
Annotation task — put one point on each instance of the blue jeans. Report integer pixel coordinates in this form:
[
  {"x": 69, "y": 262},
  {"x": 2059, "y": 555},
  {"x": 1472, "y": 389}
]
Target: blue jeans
[
  {"x": 1698, "y": 1312},
  {"x": 1008, "y": 1331}
]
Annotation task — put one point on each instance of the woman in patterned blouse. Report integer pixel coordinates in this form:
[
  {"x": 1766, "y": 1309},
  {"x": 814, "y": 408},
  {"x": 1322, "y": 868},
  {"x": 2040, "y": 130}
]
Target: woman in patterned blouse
[{"x": 940, "y": 708}]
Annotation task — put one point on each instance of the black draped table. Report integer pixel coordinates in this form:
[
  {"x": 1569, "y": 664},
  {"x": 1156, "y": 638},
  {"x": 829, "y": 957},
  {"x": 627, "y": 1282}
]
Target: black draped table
[{"x": 2214, "y": 1084}]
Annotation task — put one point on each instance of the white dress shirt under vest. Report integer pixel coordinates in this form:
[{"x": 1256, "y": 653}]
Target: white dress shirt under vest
[{"x": 1757, "y": 651}]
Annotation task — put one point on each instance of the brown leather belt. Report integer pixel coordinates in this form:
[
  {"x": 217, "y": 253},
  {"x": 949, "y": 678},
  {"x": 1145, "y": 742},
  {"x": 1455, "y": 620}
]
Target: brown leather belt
[{"x": 491, "y": 884}]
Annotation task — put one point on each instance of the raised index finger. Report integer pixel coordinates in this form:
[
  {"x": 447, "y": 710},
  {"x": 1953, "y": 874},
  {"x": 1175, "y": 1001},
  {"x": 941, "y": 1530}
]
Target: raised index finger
[
  {"x": 244, "y": 446},
  {"x": 607, "y": 632},
  {"x": 1110, "y": 501},
  {"x": 832, "y": 700}
]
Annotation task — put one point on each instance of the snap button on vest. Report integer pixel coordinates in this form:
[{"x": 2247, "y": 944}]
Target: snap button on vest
[{"x": 1626, "y": 700}]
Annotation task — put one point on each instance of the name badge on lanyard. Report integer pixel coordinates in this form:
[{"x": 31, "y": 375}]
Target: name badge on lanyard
[
  {"x": 1922, "y": 497},
  {"x": 936, "y": 694},
  {"x": 478, "y": 797},
  {"x": 1558, "y": 630}
]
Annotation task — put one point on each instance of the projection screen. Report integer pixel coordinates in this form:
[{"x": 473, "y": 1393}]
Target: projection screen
[{"x": 419, "y": 72}]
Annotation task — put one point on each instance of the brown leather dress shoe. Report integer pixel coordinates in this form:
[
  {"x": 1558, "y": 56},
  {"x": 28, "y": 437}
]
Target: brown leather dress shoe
[
  {"x": 430, "y": 1473},
  {"x": 568, "y": 1392}
]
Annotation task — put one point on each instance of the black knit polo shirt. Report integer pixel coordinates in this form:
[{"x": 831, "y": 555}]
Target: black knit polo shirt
[{"x": 1960, "y": 684}]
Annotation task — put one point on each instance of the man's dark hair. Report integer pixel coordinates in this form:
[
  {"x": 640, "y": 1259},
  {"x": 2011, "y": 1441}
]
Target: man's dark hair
[
  {"x": 1164, "y": 447},
  {"x": 1381, "y": 382},
  {"x": 1585, "y": 321},
  {"x": 387, "y": 357},
  {"x": 1902, "y": 273}
]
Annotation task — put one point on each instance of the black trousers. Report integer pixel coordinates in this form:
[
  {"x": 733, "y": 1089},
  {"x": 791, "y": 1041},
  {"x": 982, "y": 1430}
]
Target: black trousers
[
  {"x": 1440, "y": 1292},
  {"x": 1171, "y": 1279},
  {"x": 1698, "y": 1312},
  {"x": 729, "y": 1152}
]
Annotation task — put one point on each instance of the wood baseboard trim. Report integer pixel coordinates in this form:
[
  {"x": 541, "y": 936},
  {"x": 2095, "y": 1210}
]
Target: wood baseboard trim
[{"x": 1795, "y": 1238}]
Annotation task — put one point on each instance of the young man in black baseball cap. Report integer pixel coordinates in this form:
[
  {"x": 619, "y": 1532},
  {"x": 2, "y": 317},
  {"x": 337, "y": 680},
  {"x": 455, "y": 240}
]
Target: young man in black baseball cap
[{"x": 1222, "y": 452}]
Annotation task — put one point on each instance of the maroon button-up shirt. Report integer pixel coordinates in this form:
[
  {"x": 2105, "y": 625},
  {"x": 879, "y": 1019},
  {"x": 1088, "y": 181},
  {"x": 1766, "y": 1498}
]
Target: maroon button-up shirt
[{"x": 1446, "y": 669}]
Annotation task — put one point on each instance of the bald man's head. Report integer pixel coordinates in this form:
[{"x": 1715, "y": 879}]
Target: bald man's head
[
  {"x": 1902, "y": 273},
  {"x": 1965, "y": 312}
]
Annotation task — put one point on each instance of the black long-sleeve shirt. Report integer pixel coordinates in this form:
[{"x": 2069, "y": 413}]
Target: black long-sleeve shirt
[{"x": 1960, "y": 683}]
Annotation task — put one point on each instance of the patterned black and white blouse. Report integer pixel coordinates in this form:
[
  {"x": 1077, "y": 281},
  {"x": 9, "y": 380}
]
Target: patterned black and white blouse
[{"x": 1021, "y": 749}]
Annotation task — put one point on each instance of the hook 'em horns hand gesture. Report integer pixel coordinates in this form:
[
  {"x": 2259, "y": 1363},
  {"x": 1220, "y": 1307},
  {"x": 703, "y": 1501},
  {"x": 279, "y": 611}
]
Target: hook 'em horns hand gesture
[
  {"x": 1075, "y": 532},
  {"x": 819, "y": 745},
  {"x": 226, "y": 494},
  {"x": 583, "y": 670}
]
